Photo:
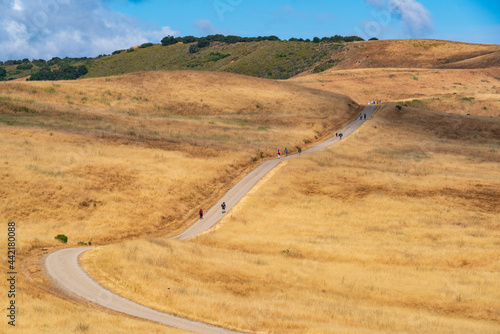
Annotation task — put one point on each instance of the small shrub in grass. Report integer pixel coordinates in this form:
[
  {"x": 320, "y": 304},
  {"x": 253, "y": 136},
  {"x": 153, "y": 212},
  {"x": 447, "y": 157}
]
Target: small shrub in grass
[
  {"x": 62, "y": 237},
  {"x": 81, "y": 243}
]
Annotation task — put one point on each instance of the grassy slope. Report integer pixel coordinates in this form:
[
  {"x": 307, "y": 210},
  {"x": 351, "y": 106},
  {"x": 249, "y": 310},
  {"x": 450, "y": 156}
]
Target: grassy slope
[
  {"x": 92, "y": 147},
  {"x": 282, "y": 60},
  {"x": 267, "y": 59},
  {"x": 116, "y": 158},
  {"x": 411, "y": 53},
  {"x": 394, "y": 229},
  {"x": 436, "y": 89}
]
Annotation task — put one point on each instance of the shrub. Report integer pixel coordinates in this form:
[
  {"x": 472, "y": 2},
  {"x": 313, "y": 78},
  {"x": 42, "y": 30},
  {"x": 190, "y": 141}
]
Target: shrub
[
  {"x": 194, "y": 48},
  {"x": 3, "y": 73},
  {"x": 62, "y": 237},
  {"x": 25, "y": 67},
  {"x": 169, "y": 40},
  {"x": 146, "y": 45}
]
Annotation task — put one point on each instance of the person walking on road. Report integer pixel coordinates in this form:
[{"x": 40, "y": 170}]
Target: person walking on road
[
  {"x": 223, "y": 206},
  {"x": 286, "y": 152},
  {"x": 365, "y": 116},
  {"x": 201, "y": 213},
  {"x": 300, "y": 150},
  {"x": 279, "y": 154}
]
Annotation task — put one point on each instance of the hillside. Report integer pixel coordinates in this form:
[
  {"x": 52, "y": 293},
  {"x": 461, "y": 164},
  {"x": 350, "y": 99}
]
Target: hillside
[
  {"x": 86, "y": 143},
  {"x": 283, "y": 59},
  {"x": 265, "y": 59},
  {"x": 274, "y": 59}
]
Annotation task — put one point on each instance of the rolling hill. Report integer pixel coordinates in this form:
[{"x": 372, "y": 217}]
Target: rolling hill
[{"x": 283, "y": 59}]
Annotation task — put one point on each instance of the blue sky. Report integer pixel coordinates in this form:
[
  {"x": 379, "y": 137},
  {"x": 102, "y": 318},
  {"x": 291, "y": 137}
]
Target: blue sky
[{"x": 43, "y": 29}]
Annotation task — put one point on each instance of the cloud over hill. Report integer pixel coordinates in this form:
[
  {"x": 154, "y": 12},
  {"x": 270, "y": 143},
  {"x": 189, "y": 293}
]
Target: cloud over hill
[{"x": 44, "y": 29}]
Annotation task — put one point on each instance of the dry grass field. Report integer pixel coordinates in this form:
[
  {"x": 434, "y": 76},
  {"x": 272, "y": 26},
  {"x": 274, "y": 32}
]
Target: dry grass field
[
  {"x": 435, "y": 89},
  {"x": 417, "y": 53},
  {"x": 395, "y": 229},
  {"x": 103, "y": 160}
]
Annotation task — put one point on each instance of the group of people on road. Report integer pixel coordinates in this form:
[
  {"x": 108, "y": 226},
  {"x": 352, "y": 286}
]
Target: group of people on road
[
  {"x": 339, "y": 135},
  {"x": 223, "y": 206},
  {"x": 375, "y": 102},
  {"x": 286, "y": 152}
]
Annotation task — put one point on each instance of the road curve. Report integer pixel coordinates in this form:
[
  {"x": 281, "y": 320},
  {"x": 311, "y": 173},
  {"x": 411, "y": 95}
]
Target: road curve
[{"x": 65, "y": 271}]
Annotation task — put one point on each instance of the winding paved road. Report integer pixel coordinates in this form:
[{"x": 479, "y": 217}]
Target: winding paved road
[{"x": 65, "y": 271}]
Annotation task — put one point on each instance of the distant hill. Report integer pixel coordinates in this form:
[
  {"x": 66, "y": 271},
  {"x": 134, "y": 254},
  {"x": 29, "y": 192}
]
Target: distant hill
[
  {"x": 412, "y": 53},
  {"x": 275, "y": 59},
  {"x": 264, "y": 59},
  {"x": 286, "y": 59}
]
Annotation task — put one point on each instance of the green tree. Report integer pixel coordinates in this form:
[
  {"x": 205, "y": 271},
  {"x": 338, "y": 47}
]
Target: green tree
[
  {"x": 189, "y": 39},
  {"x": 203, "y": 42},
  {"x": 82, "y": 70},
  {"x": 194, "y": 48},
  {"x": 316, "y": 40},
  {"x": 3, "y": 73},
  {"x": 169, "y": 40},
  {"x": 25, "y": 66}
]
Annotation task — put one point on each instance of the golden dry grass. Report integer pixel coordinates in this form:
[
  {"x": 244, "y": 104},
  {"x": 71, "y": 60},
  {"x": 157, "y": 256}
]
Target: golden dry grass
[
  {"x": 416, "y": 53},
  {"x": 395, "y": 229},
  {"x": 103, "y": 160},
  {"x": 99, "y": 173},
  {"x": 439, "y": 89}
]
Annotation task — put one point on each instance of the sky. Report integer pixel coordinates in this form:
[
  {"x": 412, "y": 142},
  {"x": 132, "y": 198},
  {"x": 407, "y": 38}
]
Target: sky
[{"x": 42, "y": 29}]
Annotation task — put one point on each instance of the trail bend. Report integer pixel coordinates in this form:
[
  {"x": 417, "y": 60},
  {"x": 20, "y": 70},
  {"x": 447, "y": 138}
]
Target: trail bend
[{"x": 64, "y": 269}]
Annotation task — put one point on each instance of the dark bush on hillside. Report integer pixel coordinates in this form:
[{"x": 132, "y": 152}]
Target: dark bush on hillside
[
  {"x": 65, "y": 72},
  {"x": 54, "y": 61},
  {"x": 3, "y": 73},
  {"x": 194, "y": 48},
  {"x": 131, "y": 50},
  {"x": 38, "y": 62},
  {"x": 316, "y": 40},
  {"x": 169, "y": 40},
  {"x": 188, "y": 39},
  {"x": 146, "y": 45},
  {"x": 203, "y": 42},
  {"x": 43, "y": 74},
  {"x": 25, "y": 67},
  {"x": 62, "y": 237},
  {"x": 82, "y": 70},
  {"x": 117, "y": 52},
  {"x": 373, "y": 39}
]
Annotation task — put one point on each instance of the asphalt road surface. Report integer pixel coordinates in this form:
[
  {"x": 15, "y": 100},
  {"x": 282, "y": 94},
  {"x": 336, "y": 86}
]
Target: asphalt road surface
[{"x": 65, "y": 271}]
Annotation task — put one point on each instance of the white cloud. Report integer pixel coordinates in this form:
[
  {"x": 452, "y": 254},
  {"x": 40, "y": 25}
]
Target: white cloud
[
  {"x": 414, "y": 16},
  {"x": 49, "y": 28},
  {"x": 206, "y": 27}
]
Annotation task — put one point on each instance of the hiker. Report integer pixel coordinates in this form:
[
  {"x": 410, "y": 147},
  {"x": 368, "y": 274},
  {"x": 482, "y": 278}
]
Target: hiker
[
  {"x": 365, "y": 116},
  {"x": 300, "y": 150},
  {"x": 360, "y": 116},
  {"x": 279, "y": 154},
  {"x": 286, "y": 152},
  {"x": 341, "y": 135},
  {"x": 223, "y": 206},
  {"x": 201, "y": 213},
  {"x": 336, "y": 134}
]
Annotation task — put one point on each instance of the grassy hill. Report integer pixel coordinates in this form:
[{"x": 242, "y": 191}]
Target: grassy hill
[
  {"x": 284, "y": 59},
  {"x": 265, "y": 59}
]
